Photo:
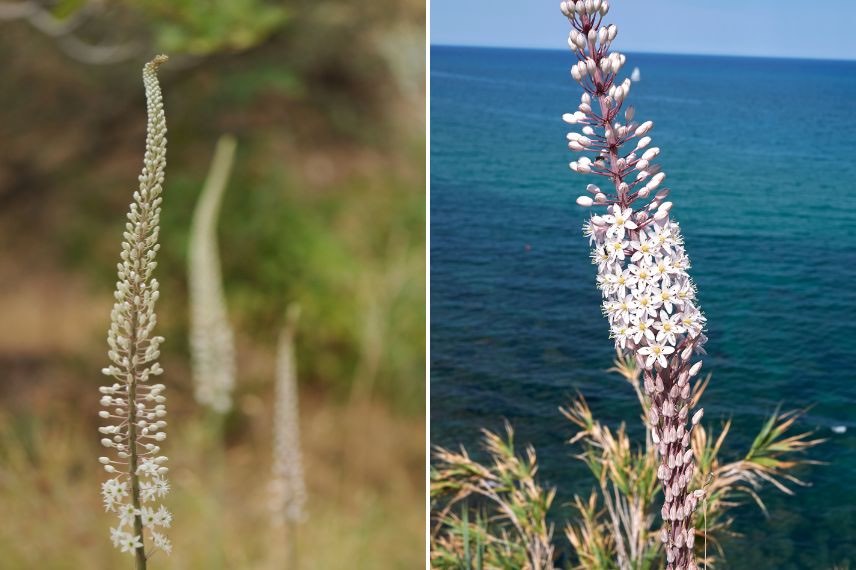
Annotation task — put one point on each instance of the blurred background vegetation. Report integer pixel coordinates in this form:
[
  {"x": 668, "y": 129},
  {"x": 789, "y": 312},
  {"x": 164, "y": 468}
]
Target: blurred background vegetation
[{"x": 325, "y": 207}]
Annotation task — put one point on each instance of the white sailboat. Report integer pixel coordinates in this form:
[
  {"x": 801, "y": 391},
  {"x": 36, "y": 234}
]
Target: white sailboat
[{"x": 635, "y": 76}]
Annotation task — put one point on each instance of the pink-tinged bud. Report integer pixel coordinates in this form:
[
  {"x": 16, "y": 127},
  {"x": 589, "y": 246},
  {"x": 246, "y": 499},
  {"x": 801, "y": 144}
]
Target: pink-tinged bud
[
  {"x": 575, "y": 73},
  {"x": 600, "y": 197},
  {"x": 666, "y": 205},
  {"x": 649, "y": 384},
  {"x": 643, "y": 142},
  {"x": 655, "y": 436},
  {"x": 661, "y": 215},
  {"x": 588, "y": 131},
  {"x": 592, "y": 36},
  {"x": 602, "y": 36},
  {"x": 591, "y": 188},
  {"x": 688, "y": 455},
  {"x": 653, "y": 417},
  {"x": 584, "y": 201},
  {"x": 697, "y": 416},
  {"x": 598, "y": 221},
  {"x": 659, "y": 385},
  {"x": 656, "y": 180},
  {"x": 642, "y": 175},
  {"x": 644, "y": 128},
  {"x": 590, "y": 65},
  {"x": 643, "y": 192},
  {"x": 570, "y": 118},
  {"x": 664, "y": 512},
  {"x": 641, "y": 164},
  {"x": 664, "y": 535},
  {"x": 699, "y": 493},
  {"x": 589, "y": 7},
  {"x": 576, "y": 146},
  {"x": 651, "y": 153},
  {"x": 612, "y": 31},
  {"x": 695, "y": 368},
  {"x": 585, "y": 108},
  {"x": 687, "y": 352},
  {"x": 567, "y": 9},
  {"x": 690, "y": 537}
]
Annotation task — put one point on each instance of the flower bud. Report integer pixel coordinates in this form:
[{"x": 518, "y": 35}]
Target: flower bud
[
  {"x": 584, "y": 201},
  {"x": 697, "y": 416},
  {"x": 643, "y": 142}
]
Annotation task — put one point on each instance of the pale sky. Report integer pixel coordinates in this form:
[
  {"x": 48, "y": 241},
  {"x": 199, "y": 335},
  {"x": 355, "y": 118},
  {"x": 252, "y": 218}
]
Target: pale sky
[{"x": 780, "y": 28}]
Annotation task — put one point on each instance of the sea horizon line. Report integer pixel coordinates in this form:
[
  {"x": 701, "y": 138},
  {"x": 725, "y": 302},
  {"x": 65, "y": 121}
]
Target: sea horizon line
[{"x": 642, "y": 52}]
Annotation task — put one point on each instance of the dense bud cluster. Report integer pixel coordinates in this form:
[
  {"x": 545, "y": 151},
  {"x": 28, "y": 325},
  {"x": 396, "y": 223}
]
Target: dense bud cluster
[
  {"x": 212, "y": 341},
  {"x": 134, "y": 408},
  {"x": 288, "y": 488},
  {"x": 648, "y": 296}
]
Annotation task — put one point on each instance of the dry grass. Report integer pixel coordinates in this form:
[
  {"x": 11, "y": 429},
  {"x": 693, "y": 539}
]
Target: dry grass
[
  {"x": 617, "y": 526},
  {"x": 518, "y": 535},
  {"x": 365, "y": 477}
]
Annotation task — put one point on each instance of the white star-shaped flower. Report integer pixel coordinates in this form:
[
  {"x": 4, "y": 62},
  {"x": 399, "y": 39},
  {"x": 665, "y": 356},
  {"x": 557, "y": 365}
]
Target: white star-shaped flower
[
  {"x": 668, "y": 327},
  {"x": 162, "y": 542},
  {"x": 615, "y": 248},
  {"x": 643, "y": 250},
  {"x": 621, "y": 332},
  {"x": 641, "y": 328},
  {"x": 130, "y": 542},
  {"x": 619, "y": 221},
  {"x": 656, "y": 353}
]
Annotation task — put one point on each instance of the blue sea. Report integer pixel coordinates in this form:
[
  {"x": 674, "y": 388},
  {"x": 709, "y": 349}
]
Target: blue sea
[{"x": 761, "y": 159}]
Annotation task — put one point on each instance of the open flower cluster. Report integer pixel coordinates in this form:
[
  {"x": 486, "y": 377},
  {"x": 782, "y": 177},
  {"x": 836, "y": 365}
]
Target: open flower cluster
[
  {"x": 134, "y": 408},
  {"x": 648, "y": 296}
]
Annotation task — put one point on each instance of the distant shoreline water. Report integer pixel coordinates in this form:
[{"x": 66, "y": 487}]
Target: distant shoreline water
[
  {"x": 647, "y": 53},
  {"x": 764, "y": 186}
]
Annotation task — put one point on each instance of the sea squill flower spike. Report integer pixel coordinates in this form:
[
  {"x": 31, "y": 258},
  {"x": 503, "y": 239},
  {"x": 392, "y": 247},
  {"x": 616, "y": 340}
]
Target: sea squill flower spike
[
  {"x": 648, "y": 296},
  {"x": 133, "y": 407},
  {"x": 211, "y": 339}
]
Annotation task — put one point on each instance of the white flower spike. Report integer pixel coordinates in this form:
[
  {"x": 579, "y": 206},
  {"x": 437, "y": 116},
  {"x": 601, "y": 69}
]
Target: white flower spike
[
  {"x": 134, "y": 406},
  {"x": 648, "y": 296}
]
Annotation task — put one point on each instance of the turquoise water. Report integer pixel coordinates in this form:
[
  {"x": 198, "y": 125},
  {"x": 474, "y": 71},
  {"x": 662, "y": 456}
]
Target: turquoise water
[{"x": 761, "y": 159}]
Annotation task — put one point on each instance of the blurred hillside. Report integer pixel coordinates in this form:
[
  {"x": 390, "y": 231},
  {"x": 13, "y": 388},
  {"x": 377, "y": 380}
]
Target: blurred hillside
[{"x": 325, "y": 207}]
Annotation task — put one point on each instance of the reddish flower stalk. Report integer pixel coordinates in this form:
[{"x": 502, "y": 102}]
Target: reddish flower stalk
[{"x": 648, "y": 296}]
